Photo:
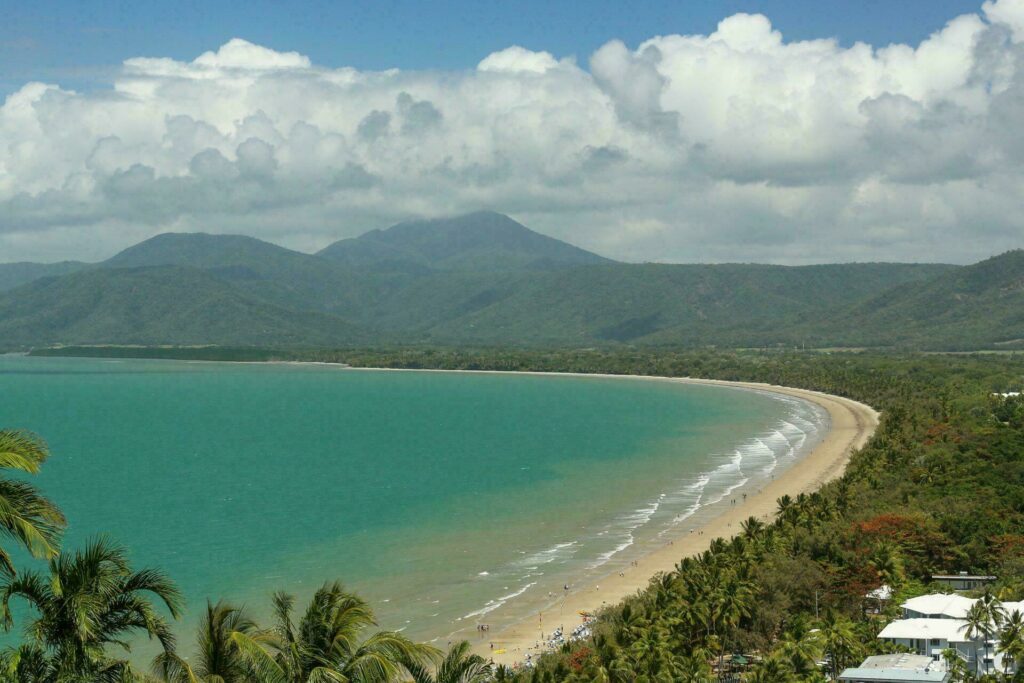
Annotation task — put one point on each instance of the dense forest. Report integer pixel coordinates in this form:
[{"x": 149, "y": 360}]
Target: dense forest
[
  {"x": 484, "y": 279},
  {"x": 939, "y": 488}
]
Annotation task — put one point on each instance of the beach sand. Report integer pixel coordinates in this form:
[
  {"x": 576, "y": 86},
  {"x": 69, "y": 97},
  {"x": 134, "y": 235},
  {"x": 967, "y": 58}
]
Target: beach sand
[{"x": 852, "y": 424}]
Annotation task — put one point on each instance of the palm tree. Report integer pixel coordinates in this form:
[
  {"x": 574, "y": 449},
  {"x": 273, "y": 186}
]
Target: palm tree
[
  {"x": 218, "y": 659},
  {"x": 90, "y": 600},
  {"x": 25, "y": 515},
  {"x": 955, "y": 665},
  {"x": 652, "y": 654},
  {"x": 328, "y": 644},
  {"x": 770, "y": 670},
  {"x": 458, "y": 666},
  {"x": 1011, "y": 640},
  {"x": 980, "y": 625},
  {"x": 840, "y": 643},
  {"x": 802, "y": 647},
  {"x": 887, "y": 562},
  {"x": 752, "y": 528}
]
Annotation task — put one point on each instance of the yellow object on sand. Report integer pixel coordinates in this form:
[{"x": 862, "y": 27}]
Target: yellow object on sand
[{"x": 499, "y": 652}]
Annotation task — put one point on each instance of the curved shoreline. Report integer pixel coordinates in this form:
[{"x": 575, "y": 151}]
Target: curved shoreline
[{"x": 851, "y": 425}]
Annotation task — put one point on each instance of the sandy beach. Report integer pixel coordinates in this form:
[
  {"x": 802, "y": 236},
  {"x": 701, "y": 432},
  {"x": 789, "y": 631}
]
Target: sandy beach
[{"x": 852, "y": 424}]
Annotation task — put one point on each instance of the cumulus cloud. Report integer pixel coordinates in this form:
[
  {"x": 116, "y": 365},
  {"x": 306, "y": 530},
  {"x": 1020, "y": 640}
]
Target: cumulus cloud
[{"x": 733, "y": 146}]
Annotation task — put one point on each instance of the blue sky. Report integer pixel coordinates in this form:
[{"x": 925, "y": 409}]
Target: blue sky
[{"x": 77, "y": 44}]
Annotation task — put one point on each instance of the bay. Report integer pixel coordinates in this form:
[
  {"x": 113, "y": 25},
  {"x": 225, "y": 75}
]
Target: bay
[{"x": 443, "y": 498}]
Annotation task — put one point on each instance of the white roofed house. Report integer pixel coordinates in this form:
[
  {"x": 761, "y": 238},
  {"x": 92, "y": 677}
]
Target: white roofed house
[
  {"x": 875, "y": 600},
  {"x": 937, "y": 622},
  {"x": 933, "y": 636},
  {"x": 937, "y": 606}
]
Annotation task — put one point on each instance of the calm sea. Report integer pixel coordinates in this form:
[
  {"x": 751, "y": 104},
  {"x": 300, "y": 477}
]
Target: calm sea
[{"x": 446, "y": 499}]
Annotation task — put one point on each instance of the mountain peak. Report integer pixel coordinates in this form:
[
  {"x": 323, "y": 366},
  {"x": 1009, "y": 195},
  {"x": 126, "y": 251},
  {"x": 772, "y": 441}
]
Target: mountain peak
[
  {"x": 191, "y": 248},
  {"x": 482, "y": 241}
]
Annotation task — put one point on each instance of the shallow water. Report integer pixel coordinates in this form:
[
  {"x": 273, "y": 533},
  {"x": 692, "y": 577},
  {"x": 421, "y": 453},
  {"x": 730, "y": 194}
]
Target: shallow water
[{"x": 446, "y": 499}]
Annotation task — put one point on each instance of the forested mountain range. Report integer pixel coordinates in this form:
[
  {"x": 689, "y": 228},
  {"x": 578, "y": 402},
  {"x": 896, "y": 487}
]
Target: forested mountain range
[{"x": 485, "y": 279}]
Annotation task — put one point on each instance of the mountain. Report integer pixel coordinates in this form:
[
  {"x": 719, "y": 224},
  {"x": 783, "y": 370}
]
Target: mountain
[
  {"x": 484, "y": 241},
  {"x": 156, "y": 305},
  {"x": 741, "y": 304},
  {"x": 977, "y": 306},
  {"x": 278, "y": 275},
  {"x": 485, "y": 279},
  {"x": 16, "y": 274}
]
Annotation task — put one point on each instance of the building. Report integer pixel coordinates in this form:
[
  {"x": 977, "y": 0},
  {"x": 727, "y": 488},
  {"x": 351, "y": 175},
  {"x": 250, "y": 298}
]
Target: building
[
  {"x": 875, "y": 601},
  {"x": 937, "y": 622},
  {"x": 963, "y": 581},
  {"x": 930, "y": 637},
  {"x": 898, "y": 668},
  {"x": 937, "y": 606}
]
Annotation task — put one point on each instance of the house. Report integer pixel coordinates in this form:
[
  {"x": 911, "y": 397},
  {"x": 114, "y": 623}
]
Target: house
[
  {"x": 936, "y": 622},
  {"x": 937, "y": 606},
  {"x": 875, "y": 600},
  {"x": 963, "y": 581},
  {"x": 932, "y": 636},
  {"x": 898, "y": 668}
]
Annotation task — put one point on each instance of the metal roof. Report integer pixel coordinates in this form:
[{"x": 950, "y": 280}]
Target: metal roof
[
  {"x": 969, "y": 577},
  {"x": 940, "y": 604},
  {"x": 898, "y": 667},
  {"x": 859, "y": 674},
  {"x": 951, "y": 630}
]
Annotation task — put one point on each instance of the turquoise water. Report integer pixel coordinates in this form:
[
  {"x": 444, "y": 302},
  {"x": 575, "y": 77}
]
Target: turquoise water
[{"x": 444, "y": 498}]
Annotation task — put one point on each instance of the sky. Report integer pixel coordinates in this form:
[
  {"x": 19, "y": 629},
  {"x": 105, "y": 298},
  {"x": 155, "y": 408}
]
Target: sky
[{"x": 783, "y": 132}]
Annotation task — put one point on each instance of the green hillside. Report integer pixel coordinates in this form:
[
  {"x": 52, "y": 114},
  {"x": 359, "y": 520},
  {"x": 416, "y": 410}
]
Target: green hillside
[
  {"x": 484, "y": 241},
  {"x": 977, "y": 306},
  {"x": 16, "y": 274},
  {"x": 278, "y": 275},
  {"x": 484, "y": 279},
  {"x": 674, "y": 304},
  {"x": 155, "y": 305}
]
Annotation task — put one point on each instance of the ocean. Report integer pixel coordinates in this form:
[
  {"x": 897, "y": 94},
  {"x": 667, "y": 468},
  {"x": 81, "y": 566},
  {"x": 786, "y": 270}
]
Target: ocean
[{"x": 445, "y": 499}]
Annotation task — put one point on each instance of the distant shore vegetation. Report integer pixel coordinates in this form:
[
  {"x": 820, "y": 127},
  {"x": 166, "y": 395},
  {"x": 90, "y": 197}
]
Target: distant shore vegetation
[{"x": 938, "y": 489}]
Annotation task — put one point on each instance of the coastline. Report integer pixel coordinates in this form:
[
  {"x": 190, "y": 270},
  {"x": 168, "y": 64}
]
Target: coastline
[
  {"x": 521, "y": 632},
  {"x": 851, "y": 425}
]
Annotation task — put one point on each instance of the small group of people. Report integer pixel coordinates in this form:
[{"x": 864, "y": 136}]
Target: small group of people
[{"x": 483, "y": 628}]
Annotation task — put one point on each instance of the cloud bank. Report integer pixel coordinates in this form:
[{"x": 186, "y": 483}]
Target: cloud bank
[{"x": 734, "y": 146}]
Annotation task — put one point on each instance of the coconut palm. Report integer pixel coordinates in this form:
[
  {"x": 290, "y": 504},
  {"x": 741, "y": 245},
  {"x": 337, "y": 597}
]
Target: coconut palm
[
  {"x": 887, "y": 562},
  {"x": 752, "y": 528},
  {"x": 25, "y": 515},
  {"x": 1011, "y": 640},
  {"x": 979, "y": 625},
  {"x": 955, "y": 665},
  {"x": 218, "y": 659},
  {"x": 840, "y": 643},
  {"x": 770, "y": 670},
  {"x": 802, "y": 646},
  {"x": 329, "y": 644},
  {"x": 458, "y": 666},
  {"x": 651, "y": 654},
  {"x": 90, "y": 601}
]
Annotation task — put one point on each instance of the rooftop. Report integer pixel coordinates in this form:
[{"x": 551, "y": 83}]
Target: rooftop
[
  {"x": 952, "y": 606},
  {"x": 898, "y": 667},
  {"x": 951, "y": 630},
  {"x": 969, "y": 577},
  {"x": 883, "y": 592}
]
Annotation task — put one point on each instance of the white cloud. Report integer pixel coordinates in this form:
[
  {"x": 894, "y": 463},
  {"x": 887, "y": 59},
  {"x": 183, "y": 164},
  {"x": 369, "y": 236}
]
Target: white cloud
[
  {"x": 736, "y": 145},
  {"x": 517, "y": 59}
]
